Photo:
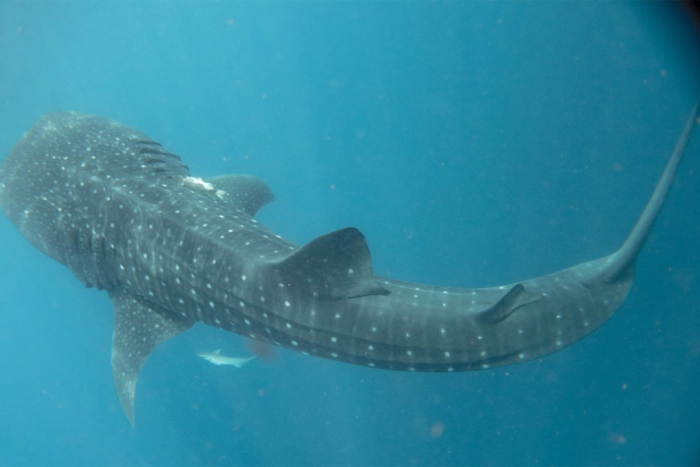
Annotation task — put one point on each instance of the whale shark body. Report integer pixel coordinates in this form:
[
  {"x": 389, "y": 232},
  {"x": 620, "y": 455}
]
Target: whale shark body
[{"x": 126, "y": 216}]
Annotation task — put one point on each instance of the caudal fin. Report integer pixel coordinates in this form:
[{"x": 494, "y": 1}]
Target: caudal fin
[{"x": 623, "y": 259}]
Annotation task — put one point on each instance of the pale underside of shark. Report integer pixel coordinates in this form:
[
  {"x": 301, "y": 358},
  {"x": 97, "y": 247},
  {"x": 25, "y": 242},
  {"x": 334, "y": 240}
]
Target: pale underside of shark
[{"x": 125, "y": 215}]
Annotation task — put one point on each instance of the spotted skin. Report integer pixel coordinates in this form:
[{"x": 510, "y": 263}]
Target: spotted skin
[{"x": 171, "y": 249}]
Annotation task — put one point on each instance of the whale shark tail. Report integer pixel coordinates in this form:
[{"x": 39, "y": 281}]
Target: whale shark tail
[{"x": 622, "y": 261}]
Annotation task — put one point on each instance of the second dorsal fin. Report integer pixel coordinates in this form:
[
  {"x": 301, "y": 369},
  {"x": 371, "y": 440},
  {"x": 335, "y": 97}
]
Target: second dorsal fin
[{"x": 515, "y": 298}]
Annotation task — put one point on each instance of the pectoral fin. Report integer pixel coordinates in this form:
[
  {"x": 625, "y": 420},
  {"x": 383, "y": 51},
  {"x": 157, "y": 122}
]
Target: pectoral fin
[
  {"x": 245, "y": 192},
  {"x": 139, "y": 326}
]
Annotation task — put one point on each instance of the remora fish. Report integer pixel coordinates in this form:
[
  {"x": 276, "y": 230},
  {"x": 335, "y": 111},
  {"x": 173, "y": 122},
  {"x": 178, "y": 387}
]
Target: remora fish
[
  {"x": 216, "y": 358},
  {"x": 126, "y": 216}
]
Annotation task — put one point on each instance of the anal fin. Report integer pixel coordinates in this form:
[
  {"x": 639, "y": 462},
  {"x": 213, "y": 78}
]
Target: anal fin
[{"x": 139, "y": 326}]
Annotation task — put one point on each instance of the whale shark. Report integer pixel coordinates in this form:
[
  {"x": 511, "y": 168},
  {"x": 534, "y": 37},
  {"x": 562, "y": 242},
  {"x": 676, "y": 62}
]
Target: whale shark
[{"x": 125, "y": 215}]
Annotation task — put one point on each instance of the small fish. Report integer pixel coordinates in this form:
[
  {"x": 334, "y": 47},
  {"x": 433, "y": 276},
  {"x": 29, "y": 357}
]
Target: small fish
[{"x": 216, "y": 358}]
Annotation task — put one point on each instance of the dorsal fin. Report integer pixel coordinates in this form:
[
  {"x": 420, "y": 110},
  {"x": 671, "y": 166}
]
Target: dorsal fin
[
  {"x": 334, "y": 266},
  {"x": 244, "y": 192},
  {"x": 515, "y": 298}
]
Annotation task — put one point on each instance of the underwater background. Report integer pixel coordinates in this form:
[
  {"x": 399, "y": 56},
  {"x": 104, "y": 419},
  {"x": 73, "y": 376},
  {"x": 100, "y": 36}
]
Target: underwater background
[{"x": 473, "y": 143}]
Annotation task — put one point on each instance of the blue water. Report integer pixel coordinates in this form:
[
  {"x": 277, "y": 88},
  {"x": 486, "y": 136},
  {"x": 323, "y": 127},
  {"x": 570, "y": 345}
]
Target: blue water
[{"x": 473, "y": 143}]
